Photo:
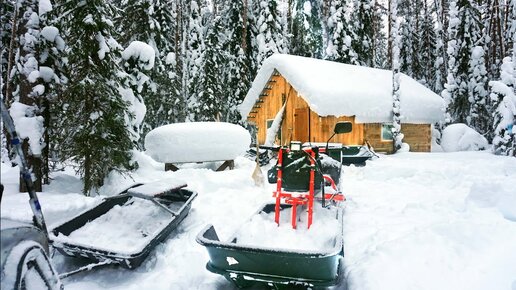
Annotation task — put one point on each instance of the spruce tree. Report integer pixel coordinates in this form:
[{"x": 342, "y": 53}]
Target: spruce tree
[
  {"x": 481, "y": 108},
  {"x": 194, "y": 47},
  {"x": 306, "y": 29},
  {"x": 363, "y": 25},
  {"x": 464, "y": 33},
  {"x": 271, "y": 25},
  {"x": 340, "y": 35},
  {"x": 427, "y": 40},
  {"x": 440, "y": 50},
  {"x": 504, "y": 117},
  {"x": 95, "y": 136},
  {"x": 210, "y": 99},
  {"x": 26, "y": 90},
  {"x": 138, "y": 61},
  {"x": 152, "y": 21},
  {"x": 6, "y": 21},
  {"x": 237, "y": 71}
]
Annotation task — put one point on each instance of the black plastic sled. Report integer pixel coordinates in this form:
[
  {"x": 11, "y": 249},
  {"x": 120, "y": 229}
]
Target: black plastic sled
[
  {"x": 244, "y": 265},
  {"x": 174, "y": 199}
]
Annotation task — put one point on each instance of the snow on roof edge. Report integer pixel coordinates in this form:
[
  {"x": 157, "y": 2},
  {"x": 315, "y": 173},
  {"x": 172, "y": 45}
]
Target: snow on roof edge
[{"x": 368, "y": 90}]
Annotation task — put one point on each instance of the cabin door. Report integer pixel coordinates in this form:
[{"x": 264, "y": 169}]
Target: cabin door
[{"x": 302, "y": 125}]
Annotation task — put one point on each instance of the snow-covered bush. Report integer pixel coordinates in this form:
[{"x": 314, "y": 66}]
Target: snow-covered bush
[
  {"x": 460, "y": 137},
  {"x": 504, "y": 98}
]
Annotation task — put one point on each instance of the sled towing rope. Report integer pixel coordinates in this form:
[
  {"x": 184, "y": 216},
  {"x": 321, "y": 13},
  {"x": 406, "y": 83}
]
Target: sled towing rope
[{"x": 39, "y": 220}]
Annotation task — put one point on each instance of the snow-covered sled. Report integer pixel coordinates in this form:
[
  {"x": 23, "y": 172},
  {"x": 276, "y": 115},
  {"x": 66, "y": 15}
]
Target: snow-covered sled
[
  {"x": 264, "y": 249},
  {"x": 123, "y": 229},
  {"x": 245, "y": 264}
]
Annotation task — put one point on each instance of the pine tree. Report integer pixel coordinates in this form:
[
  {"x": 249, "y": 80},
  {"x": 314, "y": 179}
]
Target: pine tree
[
  {"x": 380, "y": 38},
  {"x": 152, "y": 21},
  {"x": 139, "y": 59},
  {"x": 481, "y": 109},
  {"x": 464, "y": 33},
  {"x": 237, "y": 71},
  {"x": 427, "y": 40},
  {"x": 210, "y": 99},
  {"x": 6, "y": 21},
  {"x": 27, "y": 91},
  {"x": 95, "y": 136},
  {"x": 51, "y": 50},
  {"x": 440, "y": 50},
  {"x": 363, "y": 25},
  {"x": 194, "y": 47},
  {"x": 504, "y": 118},
  {"x": 307, "y": 29},
  {"x": 339, "y": 31},
  {"x": 271, "y": 25}
]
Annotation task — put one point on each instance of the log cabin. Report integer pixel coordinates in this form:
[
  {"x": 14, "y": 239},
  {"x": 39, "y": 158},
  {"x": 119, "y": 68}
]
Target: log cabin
[{"x": 308, "y": 96}]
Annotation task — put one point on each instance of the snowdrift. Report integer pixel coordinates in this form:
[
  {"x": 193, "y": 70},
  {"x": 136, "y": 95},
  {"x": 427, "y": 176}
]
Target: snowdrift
[{"x": 460, "y": 137}]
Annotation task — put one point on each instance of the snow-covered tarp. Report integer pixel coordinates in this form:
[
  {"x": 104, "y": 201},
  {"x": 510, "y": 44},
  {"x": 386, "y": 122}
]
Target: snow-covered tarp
[
  {"x": 197, "y": 142},
  {"x": 336, "y": 89}
]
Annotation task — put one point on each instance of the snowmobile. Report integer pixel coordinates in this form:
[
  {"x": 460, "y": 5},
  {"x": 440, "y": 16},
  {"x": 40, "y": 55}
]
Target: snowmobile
[{"x": 301, "y": 175}]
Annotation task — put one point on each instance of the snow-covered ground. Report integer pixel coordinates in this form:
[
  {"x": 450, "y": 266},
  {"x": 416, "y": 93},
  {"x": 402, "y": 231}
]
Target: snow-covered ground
[{"x": 412, "y": 221}]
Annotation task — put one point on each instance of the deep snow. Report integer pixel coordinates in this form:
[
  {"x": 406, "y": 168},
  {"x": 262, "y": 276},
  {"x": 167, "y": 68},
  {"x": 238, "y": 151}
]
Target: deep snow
[{"x": 412, "y": 221}]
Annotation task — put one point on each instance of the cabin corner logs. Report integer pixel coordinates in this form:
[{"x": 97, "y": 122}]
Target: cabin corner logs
[{"x": 302, "y": 124}]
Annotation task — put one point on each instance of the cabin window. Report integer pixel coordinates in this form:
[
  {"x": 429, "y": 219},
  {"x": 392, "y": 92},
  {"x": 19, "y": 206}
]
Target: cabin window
[
  {"x": 387, "y": 131},
  {"x": 269, "y": 124}
]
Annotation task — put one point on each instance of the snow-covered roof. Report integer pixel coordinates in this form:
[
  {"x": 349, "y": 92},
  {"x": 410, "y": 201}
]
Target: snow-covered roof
[{"x": 332, "y": 88}]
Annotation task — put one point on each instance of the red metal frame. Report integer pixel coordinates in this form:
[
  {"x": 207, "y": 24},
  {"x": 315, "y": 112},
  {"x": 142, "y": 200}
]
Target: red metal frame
[{"x": 300, "y": 198}]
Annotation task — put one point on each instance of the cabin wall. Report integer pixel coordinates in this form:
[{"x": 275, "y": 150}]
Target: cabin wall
[{"x": 418, "y": 136}]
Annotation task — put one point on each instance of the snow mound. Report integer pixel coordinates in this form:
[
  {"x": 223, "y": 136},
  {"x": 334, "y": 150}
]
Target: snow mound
[
  {"x": 197, "y": 142},
  {"x": 494, "y": 195},
  {"x": 460, "y": 137}
]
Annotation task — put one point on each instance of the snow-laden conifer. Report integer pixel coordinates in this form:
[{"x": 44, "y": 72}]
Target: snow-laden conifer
[
  {"x": 504, "y": 118},
  {"x": 193, "y": 52},
  {"x": 270, "y": 26},
  {"x": 307, "y": 33},
  {"x": 34, "y": 73},
  {"x": 340, "y": 35},
  {"x": 481, "y": 108},
  {"x": 237, "y": 75},
  {"x": 363, "y": 26},
  {"x": 464, "y": 33},
  {"x": 210, "y": 98},
  {"x": 95, "y": 136},
  {"x": 153, "y": 22}
]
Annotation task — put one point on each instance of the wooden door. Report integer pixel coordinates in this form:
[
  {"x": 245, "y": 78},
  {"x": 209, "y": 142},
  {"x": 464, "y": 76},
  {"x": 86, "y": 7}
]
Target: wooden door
[{"x": 301, "y": 125}]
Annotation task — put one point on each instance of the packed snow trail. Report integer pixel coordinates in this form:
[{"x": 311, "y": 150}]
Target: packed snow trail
[{"x": 412, "y": 221}]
